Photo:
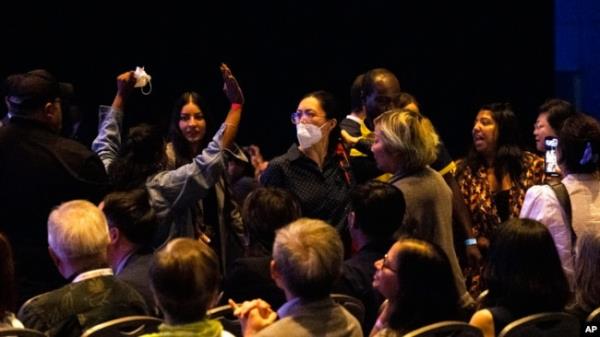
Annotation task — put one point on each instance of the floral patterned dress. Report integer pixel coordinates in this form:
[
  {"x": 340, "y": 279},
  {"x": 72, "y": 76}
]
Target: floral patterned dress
[{"x": 479, "y": 199}]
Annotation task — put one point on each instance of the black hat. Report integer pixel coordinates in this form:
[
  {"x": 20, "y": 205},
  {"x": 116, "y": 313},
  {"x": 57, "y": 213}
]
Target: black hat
[{"x": 35, "y": 88}]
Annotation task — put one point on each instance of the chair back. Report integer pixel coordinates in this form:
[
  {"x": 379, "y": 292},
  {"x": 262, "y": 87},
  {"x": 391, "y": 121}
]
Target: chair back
[
  {"x": 446, "y": 329},
  {"x": 594, "y": 316},
  {"x": 547, "y": 324},
  {"x": 352, "y": 304},
  {"x": 129, "y": 326},
  {"x": 21, "y": 332},
  {"x": 224, "y": 314}
]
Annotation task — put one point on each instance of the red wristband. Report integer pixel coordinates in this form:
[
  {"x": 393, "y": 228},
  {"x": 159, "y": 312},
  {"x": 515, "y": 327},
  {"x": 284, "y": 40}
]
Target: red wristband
[{"x": 235, "y": 106}]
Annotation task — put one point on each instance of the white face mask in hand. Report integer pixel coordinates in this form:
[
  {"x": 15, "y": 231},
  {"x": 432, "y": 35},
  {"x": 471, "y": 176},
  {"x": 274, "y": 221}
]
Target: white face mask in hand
[
  {"x": 142, "y": 79},
  {"x": 308, "y": 135}
]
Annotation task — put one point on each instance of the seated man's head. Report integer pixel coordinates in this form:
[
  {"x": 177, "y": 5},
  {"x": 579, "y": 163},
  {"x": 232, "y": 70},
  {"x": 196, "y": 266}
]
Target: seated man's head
[
  {"x": 37, "y": 95},
  {"x": 77, "y": 237},
  {"x": 131, "y": 220},
  {"x": 377, "y": 211},
  {"x": 307, "y": 258},
  {"x": 185, "y": 276},
  {"x": 265, "y": 210}
]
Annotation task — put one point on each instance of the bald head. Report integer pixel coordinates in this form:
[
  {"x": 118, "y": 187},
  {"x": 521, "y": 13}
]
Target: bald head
[{"x": 380, "y": 88}]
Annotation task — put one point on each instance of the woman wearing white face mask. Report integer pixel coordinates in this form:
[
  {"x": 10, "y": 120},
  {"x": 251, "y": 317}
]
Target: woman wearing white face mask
[{"x": 312, "y": 170}]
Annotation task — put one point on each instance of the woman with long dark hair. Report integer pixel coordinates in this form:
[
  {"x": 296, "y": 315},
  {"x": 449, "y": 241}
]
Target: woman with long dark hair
[
  {"x": 180, "y": 189},
  {"x": 496, "y": 173},
  {"x": 217, "y": 215},
  {"x": 523, "y": 275},
  {"x": 416, "y": 279},
  {"x": 494, "y": 176}
]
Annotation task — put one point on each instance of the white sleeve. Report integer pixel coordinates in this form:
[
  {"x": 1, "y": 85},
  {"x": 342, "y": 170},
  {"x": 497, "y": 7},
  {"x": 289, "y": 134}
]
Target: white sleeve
[{"x": 542, "y": 205}]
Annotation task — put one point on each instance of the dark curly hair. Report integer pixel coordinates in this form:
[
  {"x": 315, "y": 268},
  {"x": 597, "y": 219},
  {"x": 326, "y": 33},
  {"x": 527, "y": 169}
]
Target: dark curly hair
[
  {"x": 508, "y": 152},
  {"x": 142, "y": 155}
]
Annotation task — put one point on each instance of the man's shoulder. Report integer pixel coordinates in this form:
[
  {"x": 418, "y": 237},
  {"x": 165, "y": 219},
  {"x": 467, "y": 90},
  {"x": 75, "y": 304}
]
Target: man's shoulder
[
  {"x": 307, "y": 320},
  {"x": 73, "y": 147},
  {"x": 136, "y": 268},
  {"x": 44, "y": 310},
  {"x": 41, "y": 140},
  {"x": 344, "y": 326},
  {"x": 83, "y": 304},
  {"x": 72, "y": 292}
]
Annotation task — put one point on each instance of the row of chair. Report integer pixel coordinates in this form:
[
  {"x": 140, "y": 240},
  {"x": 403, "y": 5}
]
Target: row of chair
[{"x": 551, "y": 324}]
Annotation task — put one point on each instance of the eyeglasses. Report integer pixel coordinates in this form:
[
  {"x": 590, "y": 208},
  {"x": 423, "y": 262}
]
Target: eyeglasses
[
  {"x": 385, "y": 264},
  {"x": 310, "y": 114}
]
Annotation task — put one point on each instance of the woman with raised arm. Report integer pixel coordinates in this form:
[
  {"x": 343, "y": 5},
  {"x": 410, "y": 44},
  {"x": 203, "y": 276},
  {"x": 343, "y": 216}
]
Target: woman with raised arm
[{"x": 177, "y": 194}]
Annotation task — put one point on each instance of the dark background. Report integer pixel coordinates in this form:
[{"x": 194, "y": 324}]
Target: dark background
[{"x": 453, "y": 57}]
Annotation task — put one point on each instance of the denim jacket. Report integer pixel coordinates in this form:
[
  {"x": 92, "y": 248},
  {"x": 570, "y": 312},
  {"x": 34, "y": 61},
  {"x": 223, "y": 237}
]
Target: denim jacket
[{"x": 172, "y": 193}]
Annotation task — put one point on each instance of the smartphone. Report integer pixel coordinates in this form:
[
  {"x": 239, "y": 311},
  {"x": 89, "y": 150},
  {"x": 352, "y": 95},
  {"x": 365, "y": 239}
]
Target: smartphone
[{"x": 550, "y": 158}]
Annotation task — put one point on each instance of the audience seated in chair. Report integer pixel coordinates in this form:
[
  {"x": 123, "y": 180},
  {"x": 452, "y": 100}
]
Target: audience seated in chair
[
  {"x": 185, "y": 276},
  {"x": 265, "y": 210},
  {"x": 376, "y": 212},
  {"x": 307, "y": 259},
  {"x": 416, "y": 279},
  {"x": 77, "y": 242},
  {"x": 524, "y": 276},
  {"x": 131, "y": 225}
]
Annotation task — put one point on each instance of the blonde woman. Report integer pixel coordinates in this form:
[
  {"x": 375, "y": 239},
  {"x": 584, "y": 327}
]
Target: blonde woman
[{"x": 405, "y": 145}]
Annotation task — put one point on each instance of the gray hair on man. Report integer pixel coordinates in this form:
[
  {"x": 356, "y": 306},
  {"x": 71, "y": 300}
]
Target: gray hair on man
[
  {"x": 308, "y": 254},
  {"x": 78, "y": 229}
]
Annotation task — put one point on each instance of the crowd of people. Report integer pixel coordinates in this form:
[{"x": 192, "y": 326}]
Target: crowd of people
[{"x": 371, "y": 205}]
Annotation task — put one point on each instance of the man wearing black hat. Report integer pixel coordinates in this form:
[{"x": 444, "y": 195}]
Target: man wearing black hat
[{"x": 38, "y": 171}]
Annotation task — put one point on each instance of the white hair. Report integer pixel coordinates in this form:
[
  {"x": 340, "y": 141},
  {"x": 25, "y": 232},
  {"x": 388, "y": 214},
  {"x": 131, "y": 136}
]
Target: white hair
[{"x": 77, "y": 229}]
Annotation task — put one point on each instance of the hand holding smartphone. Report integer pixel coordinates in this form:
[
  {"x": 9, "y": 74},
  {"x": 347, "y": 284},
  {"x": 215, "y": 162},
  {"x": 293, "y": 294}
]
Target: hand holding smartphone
[{"x": 550, "y": 157}]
